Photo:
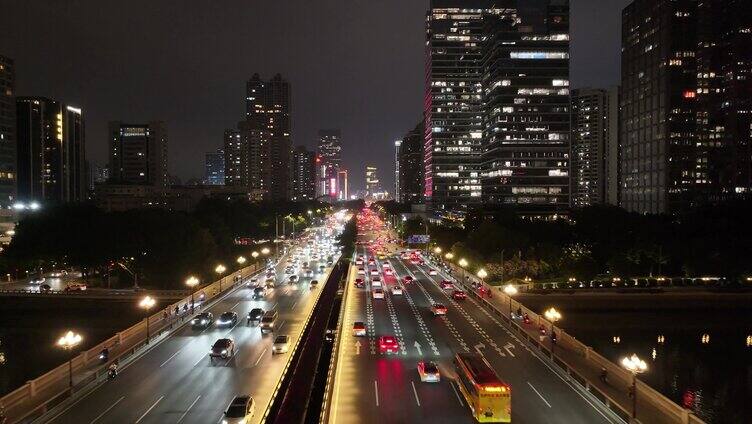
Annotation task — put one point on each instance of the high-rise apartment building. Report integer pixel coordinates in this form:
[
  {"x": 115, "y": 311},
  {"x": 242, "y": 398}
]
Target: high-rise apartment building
[
  {"x": 7, "y": 131},
  {"x": 303, "y": 174},
  {"x": 453, "y": 103},
  {"x": 497, "y": 105},
  {"x": 267, "y": 133},
  {"x": 409, "y": 174},
  {"x": 594, "y": 157},
  {"x": 236, "y": 158},
  {"x": 51, "y": 151},
  {"x": 526, "y": 107},
  {"x": 343, "y": 184},
  {"x": 372, "y": 180},
  {"x": 329, "y": 163},
  {"x": 214, "y": 168},
  {"x": 138, "y": 154}
]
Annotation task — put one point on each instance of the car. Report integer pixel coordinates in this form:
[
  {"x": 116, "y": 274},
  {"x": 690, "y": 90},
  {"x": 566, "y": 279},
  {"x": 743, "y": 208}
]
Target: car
[
  {"x": 293, "y": 279},
  {"x": 203, "y": 320},
  {"x": 447, "y": 285},
  {"x": 459, "y": 295},
  {"x": 388, "y": 272},
  {"x": 408, "y": 279},
  {"x": 38, "y": 280},
  {"x": 397, "y": 290},
  {"x": 359, "y": 261},
  {"x": 45, "y": 288},
  {"x": 308, "y": 273},
  {"x": 222, "y": 348},
  {"x": 253, "y": 282},
  {"x": 359, "y": 283},
  {"x": 240, "y": 410},
  {"x": 359, "y": 329},
  {"x": 259, "y": 292},
  {"x": 329, "y": 335},
  {"x": 227, "y": 319},
  {"x": 386, "y": 264},
  {"x": 270, "y": 282},
  {"x": 314, "y": 283},
  {"x": 268, "y": 321},
  {"x": 281, "y": 344},
  {"x": 378, "y": 293},
  {"x": 374, "y": 272},
  {"x": 75, "y": 287},
  {"x": 255, "y": 315},
  {"x": 433, "y": 272},
  {"x": 388, "y": 344},
  {"x": 438, "y": 309},
  {"x": 376, "y": 282},
  {"x": 361, "y": 271},
  {"x": 428, "y": 372}
]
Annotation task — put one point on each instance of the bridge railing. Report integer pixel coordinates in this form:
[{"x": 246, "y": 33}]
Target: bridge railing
[
  {"x": 38, "y": 395},
  {"x": 581, "y": 362}
]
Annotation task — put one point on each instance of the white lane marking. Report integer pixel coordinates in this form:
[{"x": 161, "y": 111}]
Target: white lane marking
[
  {"x": 415, "y": 392},
  {"x": 189, "y": 408},
  {"x": 273, "y": 306},
  {"x": 235, "y": 305},
  {"x": 199, "y": 361},
  {"x": 376, "y": 388},
  {"x": 149, "y": 410},
  {"x": 260, "y": 356},
  {"x": 106, "y": 410},
  {"x": 539, "y": 395},
  {"x": 457, "y": 394},
  {"x": 293, "y": 305},
  {"x": 280, "y": 326},
  {"x": 168, "y": 359},
  {"x": 231, "y": 328}
]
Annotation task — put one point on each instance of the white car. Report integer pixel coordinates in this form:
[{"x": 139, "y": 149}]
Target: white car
[
  {"x": 375, "y": 272},
  {"x": 376, "y": 282},
  {"x": 428, "y": 372},
  {"x": 397, "y": 290},
  {"x": 361, "y": 271},
  {"x": 281, "y": 344},
  {"x": 433, "y": 272},
  {"x": 378, "y": 293},
  {"x": 359, "y": 262}
]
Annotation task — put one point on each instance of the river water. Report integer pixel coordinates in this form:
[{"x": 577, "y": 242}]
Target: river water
[{"x": 695, "y": 345}]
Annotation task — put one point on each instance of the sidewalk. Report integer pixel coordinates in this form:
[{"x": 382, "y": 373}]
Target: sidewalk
[{"x": 581, "y": 363}]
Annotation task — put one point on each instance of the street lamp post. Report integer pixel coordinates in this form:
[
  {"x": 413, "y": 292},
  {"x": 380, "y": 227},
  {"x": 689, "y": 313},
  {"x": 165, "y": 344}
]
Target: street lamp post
[
  {"x": 463, "y": 263},
  {"x": 192, "y": 282},
  {"x": 69, "y": 341},
  {"x": 147, "y": 303},
  {"x": 510, "y": 291},
  {"x": 552, "y": 315},
  {"x": 634, "y": 365},
  {"x": 241, "y": 260},
  {"x": 220, "y": 269}
]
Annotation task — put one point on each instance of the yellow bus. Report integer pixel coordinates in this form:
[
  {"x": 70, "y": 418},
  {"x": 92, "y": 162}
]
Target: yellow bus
[{"x": 489, "y": 398}]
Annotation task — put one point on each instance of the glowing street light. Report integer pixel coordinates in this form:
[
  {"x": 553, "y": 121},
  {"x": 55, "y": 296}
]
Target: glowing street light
[
  {"x": 192, "y": 282},
  {"x": 510, "y": 291},
  {"x": 463, "y": 262},
  {"x": 437, "y": 250},
  {"x": 634, "y": 365},
  {"x": 482, "y": 274},
  {"x": 255, "y": 254},
  {"x": 449, "y": 255},
  {"x": 265, "y": 251},
  {"x": 68, "y": 342},
  {"x": 220, "y": 269},
  {"x": 147, "y": 303},
  {"x": 241, "y": 260},
  {"x": 552, "y": 315}
]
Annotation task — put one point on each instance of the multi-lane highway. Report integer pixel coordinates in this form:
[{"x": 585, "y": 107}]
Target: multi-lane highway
[
  {"x": 175, "y": 382},
  {"x": 371, "y": 387}
]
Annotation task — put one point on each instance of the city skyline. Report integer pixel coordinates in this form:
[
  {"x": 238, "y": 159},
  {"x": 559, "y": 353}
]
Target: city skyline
[{"x": 215, "y": 97}]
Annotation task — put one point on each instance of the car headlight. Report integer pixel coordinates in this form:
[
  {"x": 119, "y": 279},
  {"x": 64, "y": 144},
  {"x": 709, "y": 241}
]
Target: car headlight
[
  {"x": 194, "y": 321},
  {"x": 203, "y": 321},
  {"x": 224, "y": 351}
]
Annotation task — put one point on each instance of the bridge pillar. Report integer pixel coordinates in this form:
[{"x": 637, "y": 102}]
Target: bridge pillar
[
  {"x": 32, "y": 388},
  {"x": 588, "y": 349},
  {"x": 120, "y": 337}
]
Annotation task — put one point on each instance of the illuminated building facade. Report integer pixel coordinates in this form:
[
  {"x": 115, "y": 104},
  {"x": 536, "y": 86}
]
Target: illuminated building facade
[
  {"x": 409, "y": 174},
  {"x": 372, "y": 180},
  {"x": 342, "y": 183},
  {"x": 236, "y": 159},
  {"x": 214, "y": 168},
  {"x": 330, "y": 162},
  {"x": 138, "y": 154},
  {"x": 51, "y": 153},
  {"x": 595, "y": 144},
  {"x": 303, "y": 174},
  {"x": 7, "y": 131},
  {"x": 266, "y": 131}
]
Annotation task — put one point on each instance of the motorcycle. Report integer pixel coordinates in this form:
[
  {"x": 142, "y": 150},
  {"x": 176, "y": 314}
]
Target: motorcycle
[
  {"x": 112, "y": 373},
  {"x": 526, "y": 319},
  {"x": 104, "y": 355}
]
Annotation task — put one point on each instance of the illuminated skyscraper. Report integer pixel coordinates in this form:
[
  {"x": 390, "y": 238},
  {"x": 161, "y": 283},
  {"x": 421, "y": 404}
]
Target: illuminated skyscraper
[
  {"x": 7, "y": 131},
  {"x": 372, "y": 180},
  {"x": 138, "y": 154},
  {"x": 303, "y": 174},
  {"x": 329, "y": 162},
  {"x": 236, "y": 158},
  {"x": 215, "y": 168},
  {"x": 410, "y": 166},
  {"x": 51, "y": 151}
]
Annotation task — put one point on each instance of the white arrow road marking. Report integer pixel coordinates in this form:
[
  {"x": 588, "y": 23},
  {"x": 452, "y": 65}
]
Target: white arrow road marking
[
  {"x": 478, "y": 348},
  {"x": 417, "y": 346},
  {"x": 507, "y": 347},
  {"x": 357, "y": 347}
]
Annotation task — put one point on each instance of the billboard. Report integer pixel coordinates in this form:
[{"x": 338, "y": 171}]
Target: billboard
[{"x": 418, "y": 239}]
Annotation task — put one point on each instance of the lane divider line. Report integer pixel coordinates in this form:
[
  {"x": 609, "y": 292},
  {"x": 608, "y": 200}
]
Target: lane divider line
[
  {"x": 539, "y": 395},
  {"x": 106, "y": 410},
  {"x": 189, "y": 408},
  {"x": 149, "y": 410}
]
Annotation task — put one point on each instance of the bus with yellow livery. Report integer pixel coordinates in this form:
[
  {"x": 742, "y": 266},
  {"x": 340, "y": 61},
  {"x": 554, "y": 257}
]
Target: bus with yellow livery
[{"x": 489, "y": 398}]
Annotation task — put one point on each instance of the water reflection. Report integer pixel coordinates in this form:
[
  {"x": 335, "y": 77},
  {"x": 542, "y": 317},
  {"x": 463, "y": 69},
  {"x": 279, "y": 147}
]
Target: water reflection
[{"x": 713, "y": 379}]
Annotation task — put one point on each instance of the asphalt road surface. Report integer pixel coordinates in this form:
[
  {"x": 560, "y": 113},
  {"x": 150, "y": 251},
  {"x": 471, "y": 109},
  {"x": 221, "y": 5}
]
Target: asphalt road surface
[
  {"x": 176, "y": 383},
  {"x": 374, "y": 388}
]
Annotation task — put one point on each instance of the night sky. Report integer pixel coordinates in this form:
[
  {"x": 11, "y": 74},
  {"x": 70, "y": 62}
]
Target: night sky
[{"x": 357, "y": 65}]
